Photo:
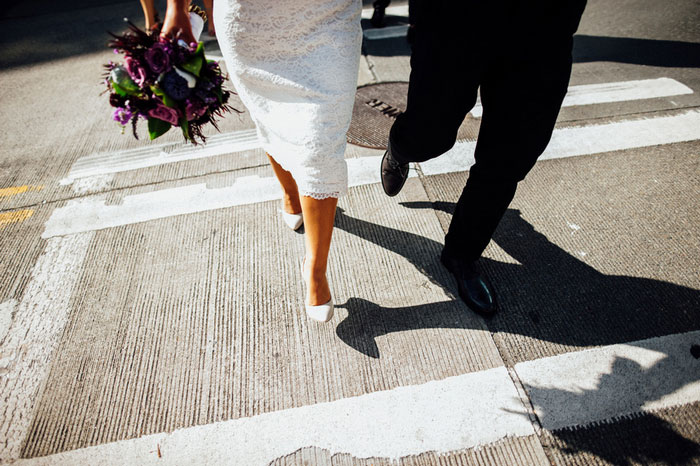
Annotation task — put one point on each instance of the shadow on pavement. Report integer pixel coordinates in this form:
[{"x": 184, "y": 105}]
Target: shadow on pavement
[
  {"x": 550, "y": 295},
  {"x": 649, "y": 52},
  {"x": 41, "y": 31},
  {"x": 554, "y": 297},
  {"x": 663, "y": 53},
  {"x": 636, "y": 439}
]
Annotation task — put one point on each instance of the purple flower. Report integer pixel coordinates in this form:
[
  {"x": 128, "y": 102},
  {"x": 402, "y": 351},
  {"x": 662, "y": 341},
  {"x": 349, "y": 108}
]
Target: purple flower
[
  {"x": 164, "y": 113},
  {"x": 194, "y": 109},
  {"x": 175, "y": 86},
  {"x": 135, "y": 70},
  {"x": 122, "y": 115},
  {"x": 157, "y": 58}
]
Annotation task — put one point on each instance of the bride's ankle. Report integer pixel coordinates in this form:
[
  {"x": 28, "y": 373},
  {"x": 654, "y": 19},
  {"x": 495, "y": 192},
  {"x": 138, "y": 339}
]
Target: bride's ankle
[{"x": 291, "y": 203}]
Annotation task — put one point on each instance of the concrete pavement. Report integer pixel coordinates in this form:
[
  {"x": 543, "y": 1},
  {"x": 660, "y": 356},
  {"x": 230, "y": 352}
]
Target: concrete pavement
[{"x": 151, "y": 308}]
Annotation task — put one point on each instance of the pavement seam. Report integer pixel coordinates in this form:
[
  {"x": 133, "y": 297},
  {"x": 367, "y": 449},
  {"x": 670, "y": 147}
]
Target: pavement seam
[{"x": 520, "y": 388}]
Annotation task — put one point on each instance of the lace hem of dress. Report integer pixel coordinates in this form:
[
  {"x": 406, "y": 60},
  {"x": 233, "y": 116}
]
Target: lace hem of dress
[{"x": 320, "y": 196}]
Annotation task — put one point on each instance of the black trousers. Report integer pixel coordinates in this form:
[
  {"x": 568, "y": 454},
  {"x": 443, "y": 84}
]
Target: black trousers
[{"x": 519, "y": 56}]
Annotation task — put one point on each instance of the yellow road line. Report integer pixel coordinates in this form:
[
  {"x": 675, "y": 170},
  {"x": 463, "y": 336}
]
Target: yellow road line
[
  {"x": 15, "y": 216},
  {"x": 14, "y": 190}
]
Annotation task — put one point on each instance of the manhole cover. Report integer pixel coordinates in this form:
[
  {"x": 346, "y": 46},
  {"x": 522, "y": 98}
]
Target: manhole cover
[{"x": 376, "y": 108}]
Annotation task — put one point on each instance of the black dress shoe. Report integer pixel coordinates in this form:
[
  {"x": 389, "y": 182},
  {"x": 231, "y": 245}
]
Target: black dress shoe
[
  {"x": 393, "y": 174},
  {"x": 473, "y": 288}
]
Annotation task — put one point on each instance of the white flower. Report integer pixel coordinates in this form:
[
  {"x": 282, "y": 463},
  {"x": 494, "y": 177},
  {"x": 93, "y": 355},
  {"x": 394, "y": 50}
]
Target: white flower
[{"x": 190, "y": 78}]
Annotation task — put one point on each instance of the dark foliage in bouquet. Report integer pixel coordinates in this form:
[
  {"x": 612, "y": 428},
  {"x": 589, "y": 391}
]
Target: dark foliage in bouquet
[{"x": 167, "y": 82}]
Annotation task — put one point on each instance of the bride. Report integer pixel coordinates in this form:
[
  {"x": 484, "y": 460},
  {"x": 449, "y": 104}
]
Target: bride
[{"x": 294, "y": 65}]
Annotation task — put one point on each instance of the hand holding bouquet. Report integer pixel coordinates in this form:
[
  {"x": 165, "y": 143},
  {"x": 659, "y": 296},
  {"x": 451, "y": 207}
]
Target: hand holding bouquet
[{"x": 166, "y": 81}]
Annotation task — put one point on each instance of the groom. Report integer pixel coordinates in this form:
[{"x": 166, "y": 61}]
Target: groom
[{"x": 518, "y": 52}]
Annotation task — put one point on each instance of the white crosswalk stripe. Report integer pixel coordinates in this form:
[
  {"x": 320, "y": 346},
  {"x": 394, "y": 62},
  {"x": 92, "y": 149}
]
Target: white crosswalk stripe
[
  {"x": 92, "y": 213},
  {"x": 159, "y": 154},
  {"x": 482, "y": 407},
  {"x": 97, "y": 164}
]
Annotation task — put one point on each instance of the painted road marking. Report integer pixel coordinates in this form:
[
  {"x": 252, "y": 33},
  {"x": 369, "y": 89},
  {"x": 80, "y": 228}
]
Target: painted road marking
[
  {"x": 588, "y": 386},
  {"x": 92, "y": 213},
  {"x": 34, "y": 332},
  {"x": 586, "y": 140},
  {"x": 15, "y": 216},
  {"x": 389, "y": 32},
  {"x": 153, "y": 155},
  {"x": 446, "y": 415},
  {"x": 623, "y": 91},
  {"x": 101, "y": 164},
  {"x": 452, "y": 414},
  {"x": 399, "y": 10},
  {"x": 14, "y": 190}
]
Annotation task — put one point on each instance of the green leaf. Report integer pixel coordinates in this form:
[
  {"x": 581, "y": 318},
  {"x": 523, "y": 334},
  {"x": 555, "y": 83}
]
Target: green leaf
[
  {"x": 157, "y": 91},
  {"x": 184, "y": 125},
  {"x": 200, "y": 50},
  {"x": 119, "y": 90},
  {"x": 169, "y": 101},
  {"x": 157, "y": 127},
  {"x": 193, "y": 65},
  {"x": 120, "y": 77}
]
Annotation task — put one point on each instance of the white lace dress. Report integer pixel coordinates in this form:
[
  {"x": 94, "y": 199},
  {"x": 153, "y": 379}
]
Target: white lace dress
[{"x": 294, "y": 65}]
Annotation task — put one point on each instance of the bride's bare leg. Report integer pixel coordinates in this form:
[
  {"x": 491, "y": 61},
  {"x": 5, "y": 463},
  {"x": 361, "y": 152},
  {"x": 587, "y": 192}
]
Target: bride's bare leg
[
  {"x": 319, "y": 216},
  {"x": 292, "y": 205}
]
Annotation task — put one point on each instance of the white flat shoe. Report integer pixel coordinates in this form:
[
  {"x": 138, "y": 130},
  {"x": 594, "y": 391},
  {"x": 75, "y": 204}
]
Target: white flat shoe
[
  {"x": 293, "y": 221},
  {"x": 321, "y": 312}
]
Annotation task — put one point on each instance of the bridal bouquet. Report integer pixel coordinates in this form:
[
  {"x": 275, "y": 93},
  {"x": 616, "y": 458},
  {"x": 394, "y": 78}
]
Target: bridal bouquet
[{"x": 166, "y": 81}]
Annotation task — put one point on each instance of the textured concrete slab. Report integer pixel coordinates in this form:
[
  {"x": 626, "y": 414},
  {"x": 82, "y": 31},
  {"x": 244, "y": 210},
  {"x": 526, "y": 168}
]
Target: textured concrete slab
[
  {"x": 593, "y": 250},
  {"x": 20, "y": 246},
  {"x": 37, "y": 322},
  {"x": 668, "y": 436},
  {"x": 198, "y": 318}
]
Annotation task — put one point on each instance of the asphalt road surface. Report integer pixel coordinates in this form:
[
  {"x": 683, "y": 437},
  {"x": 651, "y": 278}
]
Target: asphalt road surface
[{"x": 151, "y": 305}]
